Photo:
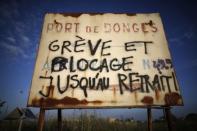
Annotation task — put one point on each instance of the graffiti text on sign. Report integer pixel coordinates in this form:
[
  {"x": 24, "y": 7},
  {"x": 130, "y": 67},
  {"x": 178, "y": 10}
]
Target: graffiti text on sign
[{"x": 126, "y": 82}]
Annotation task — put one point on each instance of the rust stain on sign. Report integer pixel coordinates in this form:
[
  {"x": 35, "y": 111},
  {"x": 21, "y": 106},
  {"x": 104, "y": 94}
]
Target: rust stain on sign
[
  {"x": 148, "y": 100},
  {"x": 91, "y": 14},
  {"x": 52, "y": 102},
  {"x": 172, "y": 98},
  {"x": 157, "y": 94}
]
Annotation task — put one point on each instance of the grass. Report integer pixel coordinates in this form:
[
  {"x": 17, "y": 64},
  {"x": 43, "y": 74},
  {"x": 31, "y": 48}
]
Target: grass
[{"x": 86, "y": 122}]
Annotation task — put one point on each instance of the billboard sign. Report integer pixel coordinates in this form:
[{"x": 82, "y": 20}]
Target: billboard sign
[{"x": 103, "y": 60}]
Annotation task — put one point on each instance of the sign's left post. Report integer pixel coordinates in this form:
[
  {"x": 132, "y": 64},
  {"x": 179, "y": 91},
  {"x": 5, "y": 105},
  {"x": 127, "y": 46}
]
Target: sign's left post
[{"x": 41, "y": 119}]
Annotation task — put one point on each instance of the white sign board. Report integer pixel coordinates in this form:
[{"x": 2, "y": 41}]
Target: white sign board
[{"x": 103, "y": 60}]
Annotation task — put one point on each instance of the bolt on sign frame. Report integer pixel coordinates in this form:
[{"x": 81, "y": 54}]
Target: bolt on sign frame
[{"x": 103, "y": 61}]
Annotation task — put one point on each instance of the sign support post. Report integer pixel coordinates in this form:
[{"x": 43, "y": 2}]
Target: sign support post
[
  {"x": 59, "y": 117},
  {"x": 41, "y": 119},
  {"x": 168, "y": 118},
  {"x": 149, "y": 113}
]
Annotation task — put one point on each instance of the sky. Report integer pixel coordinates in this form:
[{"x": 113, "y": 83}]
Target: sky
[{"x": 20, "y": 29}]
